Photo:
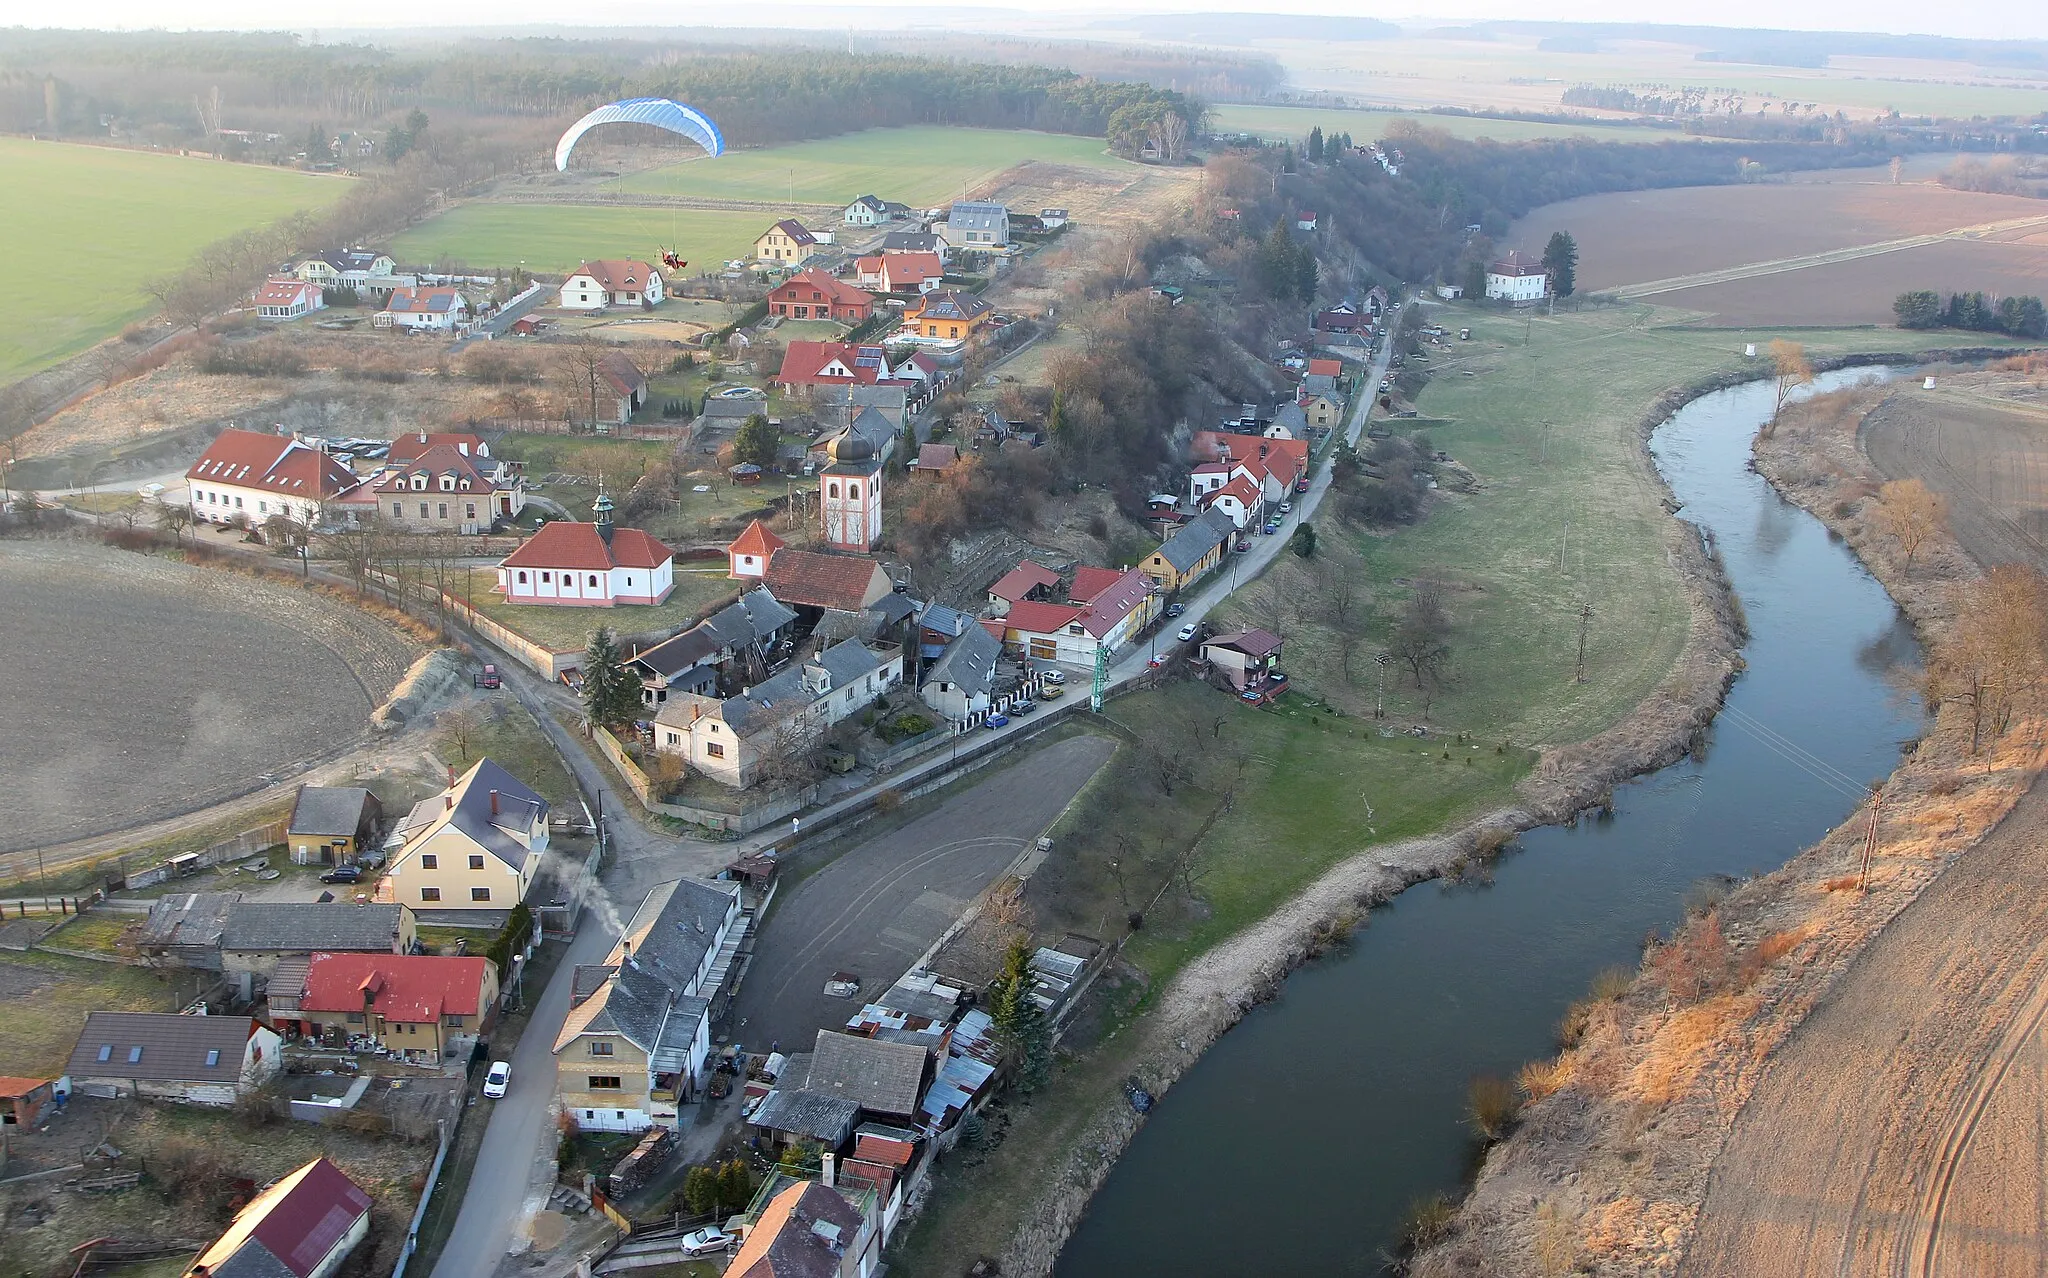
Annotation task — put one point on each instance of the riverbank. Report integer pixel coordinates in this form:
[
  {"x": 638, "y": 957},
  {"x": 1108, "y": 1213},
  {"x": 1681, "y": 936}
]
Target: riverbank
[{"x": 1610, "y": 1162}]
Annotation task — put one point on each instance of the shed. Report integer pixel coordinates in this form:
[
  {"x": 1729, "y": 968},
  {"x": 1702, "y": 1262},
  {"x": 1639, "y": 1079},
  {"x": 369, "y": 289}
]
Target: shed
[
  {"x": 22, "y": 1100},
  {"x": 330, "y": 824}
]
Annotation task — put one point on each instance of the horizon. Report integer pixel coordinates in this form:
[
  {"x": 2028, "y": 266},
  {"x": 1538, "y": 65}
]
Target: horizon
[{"x": 2001, "y": 20}]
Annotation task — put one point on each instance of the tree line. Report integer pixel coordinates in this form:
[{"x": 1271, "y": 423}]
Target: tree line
[{"x": 1975, "y": 312}]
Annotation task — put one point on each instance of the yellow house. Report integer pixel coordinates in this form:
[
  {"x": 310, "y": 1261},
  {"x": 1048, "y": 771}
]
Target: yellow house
[
  {"x": 1322, "y": 410},
  {"x": 947, "y": 316},
  {"x": 638, "y": 1033},
  {"x": 474, "y": 846},
  {"x": 786, "y": 242},
  {"x": 1192, "y": 552}
]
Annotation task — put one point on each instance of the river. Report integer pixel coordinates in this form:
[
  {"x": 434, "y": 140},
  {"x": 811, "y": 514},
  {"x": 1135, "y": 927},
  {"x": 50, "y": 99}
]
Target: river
[{"x": 1298, "y": 1141}]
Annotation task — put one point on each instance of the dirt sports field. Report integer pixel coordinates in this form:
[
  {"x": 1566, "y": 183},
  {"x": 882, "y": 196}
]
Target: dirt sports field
[
  {"x": 141, "y": 688},
  {"x": 1633, "y": 237},
  {"x": 1900, "y": 1130}
]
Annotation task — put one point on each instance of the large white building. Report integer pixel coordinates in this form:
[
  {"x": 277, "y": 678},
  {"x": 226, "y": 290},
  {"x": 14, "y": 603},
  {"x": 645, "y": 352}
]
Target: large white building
[
  {"x": 612, "y": 282},
  {"x": 1517, "y": 280},
  {"x": 255, "y": 475},
  {"x": 733, "y": 740}
]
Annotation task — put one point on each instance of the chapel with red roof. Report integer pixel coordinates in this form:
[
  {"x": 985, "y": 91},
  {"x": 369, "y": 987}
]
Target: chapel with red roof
[{"x": 593, "y": 565}]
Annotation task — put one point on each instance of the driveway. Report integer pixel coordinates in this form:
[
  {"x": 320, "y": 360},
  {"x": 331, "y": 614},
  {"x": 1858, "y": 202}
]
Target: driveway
[{"x": 875, "y": 910}]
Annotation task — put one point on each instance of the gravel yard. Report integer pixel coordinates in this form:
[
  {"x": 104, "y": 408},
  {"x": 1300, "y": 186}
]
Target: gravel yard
[{"x": 157, "y": 688}]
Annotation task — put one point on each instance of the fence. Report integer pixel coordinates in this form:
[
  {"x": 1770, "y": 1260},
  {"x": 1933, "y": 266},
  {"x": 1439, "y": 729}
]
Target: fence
[
  {"x": 412, "y": 1231},
  {"x": 676, "y": 431},
  {"x": 247, "y": 843}
]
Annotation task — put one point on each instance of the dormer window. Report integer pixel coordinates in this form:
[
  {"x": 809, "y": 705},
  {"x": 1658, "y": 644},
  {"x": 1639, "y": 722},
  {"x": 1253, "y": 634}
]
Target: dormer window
[
  {"x": 419, "y": 483},
  {"x": 447, "y": 483}
]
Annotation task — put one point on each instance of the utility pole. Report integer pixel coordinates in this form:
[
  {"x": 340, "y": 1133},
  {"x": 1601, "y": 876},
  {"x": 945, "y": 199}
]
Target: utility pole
[
  {"x": 1585, "y": 616},
  {"x": 1870, "y": 839},
  {"x": 1379, "y": 706}
]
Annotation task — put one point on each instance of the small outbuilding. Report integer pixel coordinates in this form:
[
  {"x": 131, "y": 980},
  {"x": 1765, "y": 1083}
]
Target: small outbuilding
[{"x": 331, "y": 823}]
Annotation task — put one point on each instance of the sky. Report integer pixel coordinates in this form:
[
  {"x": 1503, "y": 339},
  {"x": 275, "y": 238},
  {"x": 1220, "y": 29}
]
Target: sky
[{"x": 2024, "y": 19}]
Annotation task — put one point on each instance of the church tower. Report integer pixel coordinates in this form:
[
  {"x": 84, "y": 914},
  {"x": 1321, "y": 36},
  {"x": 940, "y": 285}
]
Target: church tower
[{"x": 850, "y": 494}]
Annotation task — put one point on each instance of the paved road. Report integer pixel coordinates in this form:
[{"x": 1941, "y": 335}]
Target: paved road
[
  {"x": 874, "y": 910},
  {"x": 1901, "y": 1130}
]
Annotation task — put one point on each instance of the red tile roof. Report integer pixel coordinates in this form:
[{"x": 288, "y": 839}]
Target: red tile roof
[
  {"x": 1041, "y": 618},
  {"x": 415, "y": 988},
  {"x": 880, "y": 1149},
  {"x": 755, "y": 539},
  {"x": 12, "y": 1088},
  {"x": 618, "y": 275},
  {"x": 622, "y": 373},
  {"x": 802, "y": 362},
  {"x": 297, "y": 1221},
  {"x": 1090, "y": 582},
  {"x": 816, "y": 580},
  {"x": 1113, "y": 604},
  {"x": 578, "y": 547},
  {"x": 1252, "y": 643},
  {"x": 413, "y": 443},
  {"x": 936, "y": 456},
  {"x": 800, "y": 286},
  {"x": 275, "y": 463},
  {"x": 282, "y": 292},
  {"x": 425, "y": 301},
  {"x": 1244, "y": 488},
  {"x": 1325, "y": 367},
  {"x": 1021, "y": 580}
]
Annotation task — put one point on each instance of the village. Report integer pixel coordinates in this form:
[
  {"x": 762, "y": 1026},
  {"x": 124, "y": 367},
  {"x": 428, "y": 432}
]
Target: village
[{"x": 779, "y": 668}]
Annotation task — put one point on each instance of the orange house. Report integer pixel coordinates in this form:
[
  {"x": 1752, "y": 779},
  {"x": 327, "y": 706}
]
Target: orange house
[
  {"x": 947, "y": 315},
  {"x": 813, "y": 294}
]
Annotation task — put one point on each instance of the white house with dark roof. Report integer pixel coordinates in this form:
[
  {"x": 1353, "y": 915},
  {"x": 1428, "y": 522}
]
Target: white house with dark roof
[
  {"x": 786, "y": 243},
  {"x": 202, "y": 1060},
  {"x": 635, "y": 1043},
  {"x": 255, "y": 475},
  {"x": 423, "y": 310},
  {"x": 732, "y": 739},
  {"x": 980, "y": 226},
  {"x": 961, "y": 681},
  {"x": 475, "y": 846}
]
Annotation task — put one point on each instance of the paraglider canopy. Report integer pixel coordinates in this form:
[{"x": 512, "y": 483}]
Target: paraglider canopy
[{"x": 659, "y": 112}]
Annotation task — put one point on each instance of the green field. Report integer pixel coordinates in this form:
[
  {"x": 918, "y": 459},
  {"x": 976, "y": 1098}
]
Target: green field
[
  {"x": 555, "y": 237},
  {"x": 132, "y": 216},
  {"x": 918, "y": 166},
  {"x": 1288, "y": 123}
]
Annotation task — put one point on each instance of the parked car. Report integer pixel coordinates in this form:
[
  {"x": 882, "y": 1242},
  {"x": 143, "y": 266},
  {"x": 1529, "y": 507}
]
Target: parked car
[
  {"x": 1053, "y": 676},
  {"x": 343, "y": 874},
  {"x": 707, "y": 1241},
  {"x": 1301, "y": 485},
  {"x": 498, "y": 1080},
  {"x": 1244, "y": 547},
  {"x": 1187, "y": 632},
  {"x": 1175, "y": 610},
  {"x": 487, "y": 679},
  {"x": 1276, "y": 676},
  {"x": 1286, "y": 507},
  {"x": 1272, "y": 526},
  {"x": 1051, "y": 692},
  {"x": 1023, "y": 705},
  {"x": 995, "y": 721}
]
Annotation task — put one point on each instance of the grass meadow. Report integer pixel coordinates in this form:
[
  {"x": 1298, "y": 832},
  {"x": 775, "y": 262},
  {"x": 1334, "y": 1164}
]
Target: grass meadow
[
  {"x": 133, "y": 215},
  {"x": 920, "y": 166},
  {"x": 553, "y": 238}
]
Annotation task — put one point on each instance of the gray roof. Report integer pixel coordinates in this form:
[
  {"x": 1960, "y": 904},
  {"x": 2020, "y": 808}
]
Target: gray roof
[
  {"x": 1290, "y": 415},
  {"x": 785, "y": 691},
  {"x": 910, "y": 242},
  {"x": 675, "y": 926},
  {"x": 472, "y": 811},
  {"x": 253, "y": 1260},
  {"x": 750, "y": 619},
  {"x": 657, "y": 959},
  {"x": 793, "y": 1108},
  {"x": 847, "y": 662},
  {"x": 917, "y": 995},
  {"x": 168, "y": 1047},
  {"x": 978, "y": 215},
  {"x": 886, "y": 1078},
  {"x": 304, "y": 927},
  {"x": 969, "y": 661},
  {"x": 187, "y": 919},
  {"x": 335, "y": 811},
  {"x": 738, "y": 410},
  {"x": 1192, "y": 543},
  {"x": 944, "y": 620},
  {"x": 893, "y": 607}
]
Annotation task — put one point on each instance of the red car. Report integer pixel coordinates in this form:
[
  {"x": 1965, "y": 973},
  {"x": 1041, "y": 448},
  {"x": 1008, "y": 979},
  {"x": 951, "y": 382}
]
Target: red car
[{"x": 1301, "y": 485}]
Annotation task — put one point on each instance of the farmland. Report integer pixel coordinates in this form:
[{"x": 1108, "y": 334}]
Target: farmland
[
  {"x": 133, "y": 216},
  {"x": 1981, "y": 441},
  {"x": 1289, "y": 123},
  {"x": 555, "y": 237},
  {"x": 918, "y": 166}
]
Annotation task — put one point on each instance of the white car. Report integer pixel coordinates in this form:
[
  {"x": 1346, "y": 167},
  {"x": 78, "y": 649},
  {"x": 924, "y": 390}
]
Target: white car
[
  {"x": 1053, "y": 676},
  {"x": 706, "y": 1241},
  {"x": 1286, "y": 507},
  {"x": 498, "y": 1080},
  {"x": 1187, "y": 632}
]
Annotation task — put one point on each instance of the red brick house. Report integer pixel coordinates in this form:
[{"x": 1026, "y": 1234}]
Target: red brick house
[{"x": 813, "y": 294}]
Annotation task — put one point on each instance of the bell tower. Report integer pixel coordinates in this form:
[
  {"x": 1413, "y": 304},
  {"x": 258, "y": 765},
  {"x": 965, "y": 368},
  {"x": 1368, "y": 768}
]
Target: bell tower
[{"x": 850, "y": 494}]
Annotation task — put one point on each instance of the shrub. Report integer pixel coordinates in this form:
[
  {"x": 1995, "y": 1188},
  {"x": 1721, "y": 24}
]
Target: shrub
[
  {"x": 1427, "y": 1222},
  {"x": 1538, "y": 1079},
  {"x": 888, "y": 801},
  {"x": 1612, "y": 983},
  {"x": 1490, "y": 1106},
  {"x": 1696, "y": 962}
]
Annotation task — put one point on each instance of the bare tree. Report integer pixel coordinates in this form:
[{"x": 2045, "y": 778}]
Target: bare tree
[
  {"x": 1910, "y": 513},
  {"x": 1790, "y": 371},
  {"x": 1996, "y": 652},
  {"x": 174, "y": 517},
  {"x": 1420, "y": 638},
  {"x": 582, "y": 375},
  {"x": 1339, "y": 603},
  {"x": 109, "y": 363},
  {"x": 789, "y": 756}
]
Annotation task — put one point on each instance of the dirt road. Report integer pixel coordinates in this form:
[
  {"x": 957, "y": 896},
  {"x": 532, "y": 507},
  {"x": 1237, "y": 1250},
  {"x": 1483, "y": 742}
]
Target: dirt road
[{"x": 1899, "y": 1131}]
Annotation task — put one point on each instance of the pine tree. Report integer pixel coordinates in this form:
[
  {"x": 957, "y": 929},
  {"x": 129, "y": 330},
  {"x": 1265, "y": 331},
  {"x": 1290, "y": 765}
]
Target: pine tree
[
  {"x": 1315, "y": 144},
  {"x": 1019, "y": 1021},
  {"x": 1561, "y": 259},
  {"x": 701, "y": 1190},
  {"x": 611, "y": 695}
]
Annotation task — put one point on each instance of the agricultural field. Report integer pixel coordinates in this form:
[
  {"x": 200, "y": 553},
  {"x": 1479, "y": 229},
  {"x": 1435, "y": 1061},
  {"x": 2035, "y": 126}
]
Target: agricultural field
[
  {"x": 1291, "y": 123},
  {"x": 1861, "y": 291},
  {"x": 1507, "y": 70},
  {"x": 917, "y": 166},
  {"x": 553, "y": 238},
  {"x": 1980, "y": 440},
  {"x": 134, "y": 215}
]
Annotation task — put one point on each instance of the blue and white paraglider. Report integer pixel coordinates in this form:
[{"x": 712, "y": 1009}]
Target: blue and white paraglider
[
  {"x": 662, "y": 113},
  {"x": 659, "y": 112}
]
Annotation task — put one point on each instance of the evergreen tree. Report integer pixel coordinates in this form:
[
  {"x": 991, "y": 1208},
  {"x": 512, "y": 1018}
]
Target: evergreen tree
[
  {"x": 1315, "y": 144},
  {"x": 1305, "y": 274},
  {"x": 701, "y": 1190},
  {"x": 735, "y": 1186},
  {"x": 755, "y": 442},
  {"x": 1019, "y": 1021},
  {"x": 1561, "y": 259},
  {"x": 1920, "y": 308},
  {"x": 611, "y": 694}
]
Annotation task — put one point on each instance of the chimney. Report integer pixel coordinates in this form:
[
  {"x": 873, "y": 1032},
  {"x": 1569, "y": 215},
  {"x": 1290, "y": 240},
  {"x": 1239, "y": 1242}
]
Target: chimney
[
  {"x": 448, "y": 801},
  {"x": 825, "y": 1165},
  {"x": 494, "y": 803},
  {"x": 451, "y": 775},
  {"x": 423, "y": 436}
]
